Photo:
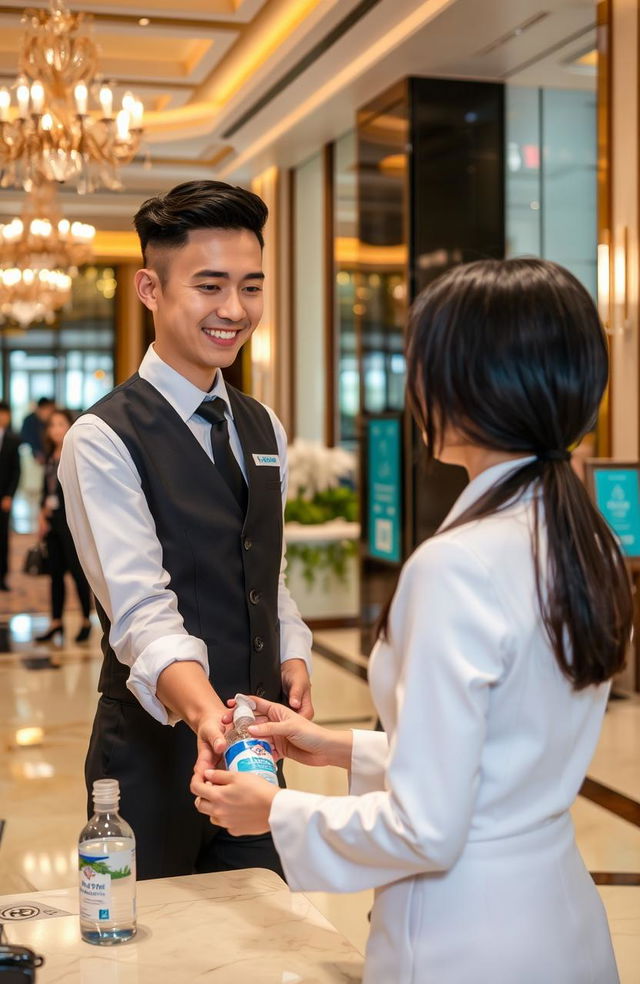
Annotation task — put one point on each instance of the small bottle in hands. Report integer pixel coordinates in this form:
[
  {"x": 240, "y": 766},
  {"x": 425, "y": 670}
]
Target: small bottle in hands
[
  {"x": 107, "y": 870},
  {"x": 244, "y": 752}
]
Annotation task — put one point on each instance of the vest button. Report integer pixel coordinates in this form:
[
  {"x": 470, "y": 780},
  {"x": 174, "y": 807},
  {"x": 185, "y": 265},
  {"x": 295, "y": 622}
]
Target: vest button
[
  {"x": 260, "y": 691},
  {"x": 258, "y": 644},
  {"x": 248, "y": 543},
  {"x": 255, "y": 596}
]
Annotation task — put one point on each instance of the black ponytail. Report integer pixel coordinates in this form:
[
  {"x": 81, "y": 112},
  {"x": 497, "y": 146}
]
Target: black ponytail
[{"x": 513, "y": 356}]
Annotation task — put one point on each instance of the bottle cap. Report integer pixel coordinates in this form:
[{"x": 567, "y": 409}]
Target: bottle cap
[
  {"x": 106, "y": 792},
  {"x": 244, "y": 708}
]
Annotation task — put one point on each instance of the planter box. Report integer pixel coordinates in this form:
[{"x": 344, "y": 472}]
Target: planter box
[{"x": 329, "y": 596}]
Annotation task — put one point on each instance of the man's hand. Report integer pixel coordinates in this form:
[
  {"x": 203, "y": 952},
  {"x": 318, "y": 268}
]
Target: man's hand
[
  {"x": 184, "y": 688},
  {"x": 239, "y": 803},
  {"x": 6, "y": 503},
  {"x": 297, "y": 686},
  {"x": 211, "y": 743}
]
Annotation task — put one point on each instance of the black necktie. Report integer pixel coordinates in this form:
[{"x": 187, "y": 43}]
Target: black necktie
[{"x": 223, "y": 456}]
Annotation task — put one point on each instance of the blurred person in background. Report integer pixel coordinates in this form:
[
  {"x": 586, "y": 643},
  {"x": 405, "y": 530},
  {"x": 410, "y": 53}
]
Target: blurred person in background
[
  {"x": 55, "y": 532},
  {"x": 9, "y": 479},
  {"x": 34, "y": 427}
]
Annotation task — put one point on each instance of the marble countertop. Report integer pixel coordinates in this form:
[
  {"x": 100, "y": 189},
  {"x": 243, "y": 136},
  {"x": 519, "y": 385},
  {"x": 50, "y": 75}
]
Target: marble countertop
[{"x": 225, "y": 928}]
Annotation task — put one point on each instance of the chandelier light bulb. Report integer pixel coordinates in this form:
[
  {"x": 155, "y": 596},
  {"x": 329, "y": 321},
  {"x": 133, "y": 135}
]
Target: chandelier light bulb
[
  {"x": 5, "y": 102},
  {"x": 106, "y": 101},
  {"x": 128, "y": 102},
  {"x": 137, "y": 114},
  {"x": 22, "y": 95},
  {"x": 63, "y": 227},
  {"x": 28, "y": 276},
  {"x": 122, "y": 125},
  {"x": 47, "y": 122},
  {"x": 81, "y": 95},
  {"x": 37, "y": 97}
]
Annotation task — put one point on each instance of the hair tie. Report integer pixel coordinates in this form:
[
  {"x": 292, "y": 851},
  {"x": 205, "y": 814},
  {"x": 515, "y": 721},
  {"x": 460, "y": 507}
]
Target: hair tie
[{"x": 554, "y": 455}]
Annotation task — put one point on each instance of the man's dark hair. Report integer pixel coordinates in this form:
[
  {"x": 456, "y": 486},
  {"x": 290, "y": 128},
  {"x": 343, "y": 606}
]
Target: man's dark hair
[
  {"x": 166, "y": 220},
  {"x": 45, "y": 401},
  {"x": 5, "y": 406}
]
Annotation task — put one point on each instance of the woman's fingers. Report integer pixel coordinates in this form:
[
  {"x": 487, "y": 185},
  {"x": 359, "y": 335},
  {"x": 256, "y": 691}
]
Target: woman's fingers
[
  {"x": 273, "y": 729},
  {"x": 271, "y": 710}
]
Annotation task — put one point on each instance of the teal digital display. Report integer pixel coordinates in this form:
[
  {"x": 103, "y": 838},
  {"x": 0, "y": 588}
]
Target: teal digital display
[
  {"x": 617, "y": 494},
  {"x": 384, "y": 488}
]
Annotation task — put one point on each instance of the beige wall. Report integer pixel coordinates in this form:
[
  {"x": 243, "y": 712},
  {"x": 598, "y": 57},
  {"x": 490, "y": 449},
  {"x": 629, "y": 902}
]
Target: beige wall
[
  {"x": 309, "y": 301},
  {"x": 270, "y": 344}
]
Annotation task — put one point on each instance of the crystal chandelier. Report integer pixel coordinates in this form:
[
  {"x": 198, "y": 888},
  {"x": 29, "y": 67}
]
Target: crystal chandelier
[
  {"x": 28, "y": 295},
  {"x": 52, "y": 133},
  {"x": 39, "y": 254},
  {"x": 42, "y": 238}
]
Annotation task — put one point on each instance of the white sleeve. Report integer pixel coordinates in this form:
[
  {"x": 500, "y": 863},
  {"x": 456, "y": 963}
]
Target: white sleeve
[
  {"x": 295, "y": 636},
  {"x": 369, "y": 758},
  {"x": 450, "y": 637},
  {"x": 116, "y": 540}
]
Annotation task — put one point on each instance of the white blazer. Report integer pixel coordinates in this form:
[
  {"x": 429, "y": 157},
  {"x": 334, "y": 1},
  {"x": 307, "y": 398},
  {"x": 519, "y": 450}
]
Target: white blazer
[{"x": 458, "y": 815}]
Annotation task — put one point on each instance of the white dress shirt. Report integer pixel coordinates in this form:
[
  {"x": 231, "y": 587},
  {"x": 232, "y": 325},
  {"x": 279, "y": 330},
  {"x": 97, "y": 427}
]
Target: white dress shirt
[
  {"x": 458, "y": 815},
  {"x": 116, "y": 540}
]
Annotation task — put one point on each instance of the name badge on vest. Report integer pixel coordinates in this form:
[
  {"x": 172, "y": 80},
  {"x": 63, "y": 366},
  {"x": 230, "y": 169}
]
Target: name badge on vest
[{"x": 267, "y": 460}]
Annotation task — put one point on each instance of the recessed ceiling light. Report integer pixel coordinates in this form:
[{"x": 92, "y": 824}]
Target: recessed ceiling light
[{"x": 144, "y": 21}]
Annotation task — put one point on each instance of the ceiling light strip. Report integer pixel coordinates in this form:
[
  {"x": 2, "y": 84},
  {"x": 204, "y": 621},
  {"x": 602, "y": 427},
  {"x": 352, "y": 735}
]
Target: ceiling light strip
[
  {"x": 303, "y": 64},
  {"x": 549, "y": 51},
  {"x": 516, "y": 32},
  {"x": 376, "y": 51}
]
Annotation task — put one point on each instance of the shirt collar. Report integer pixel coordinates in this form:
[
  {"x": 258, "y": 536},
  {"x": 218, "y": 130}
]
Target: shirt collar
[
  {"x": 184, "y": 397},
  {"x": 482, "y": 483}
]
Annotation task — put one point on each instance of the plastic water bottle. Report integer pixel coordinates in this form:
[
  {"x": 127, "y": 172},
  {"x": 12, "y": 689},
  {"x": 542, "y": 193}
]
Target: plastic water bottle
[
  {"x": 244, "y": 752},
  {"x": 107, "y": 870}
]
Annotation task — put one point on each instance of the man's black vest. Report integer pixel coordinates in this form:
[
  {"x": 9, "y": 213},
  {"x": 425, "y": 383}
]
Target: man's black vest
[{"x": 224, "y": 566}]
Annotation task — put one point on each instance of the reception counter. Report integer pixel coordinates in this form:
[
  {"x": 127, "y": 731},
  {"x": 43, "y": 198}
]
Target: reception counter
[{"x": 235, "y": 927}]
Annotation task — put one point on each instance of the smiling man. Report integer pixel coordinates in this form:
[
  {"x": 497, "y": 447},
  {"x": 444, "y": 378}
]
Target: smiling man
[{"x": 174, "y": 486}]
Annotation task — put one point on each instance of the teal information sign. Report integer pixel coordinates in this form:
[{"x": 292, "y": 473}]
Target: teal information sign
[
  {"x": 617, "y": 494},
  {"x": 384, "y": 488}
]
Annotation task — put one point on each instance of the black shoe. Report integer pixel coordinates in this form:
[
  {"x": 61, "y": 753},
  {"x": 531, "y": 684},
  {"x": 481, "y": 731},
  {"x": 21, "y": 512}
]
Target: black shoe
[
  {"x": 84, "y": 633},
  {"x": 48, "y": 636}
]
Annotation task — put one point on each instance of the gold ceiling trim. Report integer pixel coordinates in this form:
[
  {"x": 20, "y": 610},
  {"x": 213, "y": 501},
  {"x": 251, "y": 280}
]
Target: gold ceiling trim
[
  {"x": 183, "y": 23},
  {"x": 208, "y": 162}
]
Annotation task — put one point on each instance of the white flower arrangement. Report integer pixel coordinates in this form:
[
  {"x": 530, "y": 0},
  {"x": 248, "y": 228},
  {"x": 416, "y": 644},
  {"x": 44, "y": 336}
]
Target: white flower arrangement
[{"x": 314, "y": 468}]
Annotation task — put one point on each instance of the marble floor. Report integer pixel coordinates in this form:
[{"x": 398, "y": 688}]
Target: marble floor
[{"x": 47, "y": 700}]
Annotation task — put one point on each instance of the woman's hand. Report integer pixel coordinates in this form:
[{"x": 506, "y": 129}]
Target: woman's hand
[
  {"x": 294, "y": 737},
  {"x": 239, "y": 803}
]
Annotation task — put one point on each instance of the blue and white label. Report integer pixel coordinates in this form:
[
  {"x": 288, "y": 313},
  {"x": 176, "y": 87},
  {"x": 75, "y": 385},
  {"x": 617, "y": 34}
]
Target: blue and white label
[
  {"x": 252, "y": 756},
  {"x": 267, "y": 460}
]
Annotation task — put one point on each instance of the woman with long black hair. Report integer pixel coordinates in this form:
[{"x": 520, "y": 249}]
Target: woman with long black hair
[
  {"x": 492, "y": 669},
  {"x": 54, "y": 530}
]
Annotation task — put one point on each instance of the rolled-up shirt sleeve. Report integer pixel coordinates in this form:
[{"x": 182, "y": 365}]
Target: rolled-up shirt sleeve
[{"x": 116, "y": 540}]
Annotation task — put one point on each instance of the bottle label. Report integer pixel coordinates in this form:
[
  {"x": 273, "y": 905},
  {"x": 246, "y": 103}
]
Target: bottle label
[
  {"x": 107, "y": 886},
  {"x": 253, "y": 756}
]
